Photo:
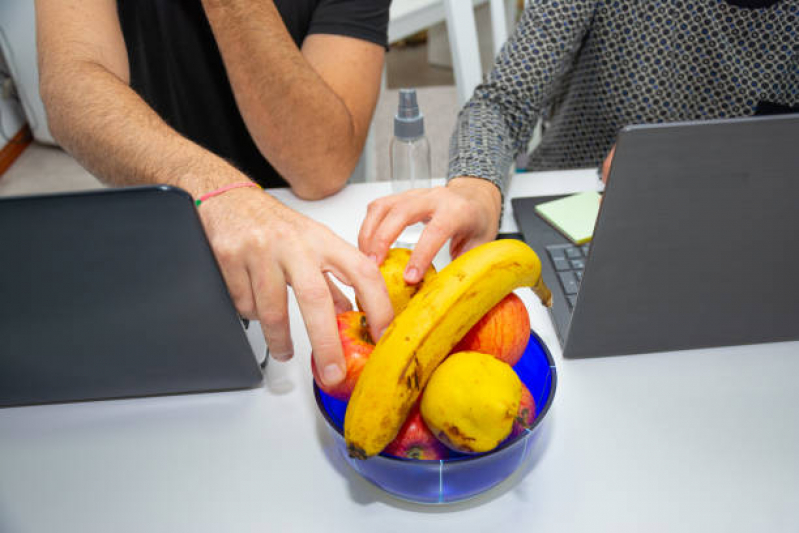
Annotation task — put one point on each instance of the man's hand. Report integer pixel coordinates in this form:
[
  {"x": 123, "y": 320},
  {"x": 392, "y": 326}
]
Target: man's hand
[
  {"x": 466, "y": 210},
  {"x": 263, "y": 246},
  {"x": 606, "y": 164}
]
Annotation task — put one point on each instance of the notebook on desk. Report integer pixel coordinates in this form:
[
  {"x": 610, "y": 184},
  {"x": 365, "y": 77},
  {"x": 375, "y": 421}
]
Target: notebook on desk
[
  {"x": 113, "y": 294},
  {"x": 694, "y": 246}
]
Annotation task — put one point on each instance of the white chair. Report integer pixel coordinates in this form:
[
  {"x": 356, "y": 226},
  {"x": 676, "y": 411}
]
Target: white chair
[
  {"x": 411, "y": 16},
  {"x": 462, "y": 31}
]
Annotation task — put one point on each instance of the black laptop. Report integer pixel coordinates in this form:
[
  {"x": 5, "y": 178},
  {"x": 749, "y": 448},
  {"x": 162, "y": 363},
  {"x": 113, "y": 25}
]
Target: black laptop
[
  {"x": 112, "y": 294},
  {"x": 695, "y": 244}
]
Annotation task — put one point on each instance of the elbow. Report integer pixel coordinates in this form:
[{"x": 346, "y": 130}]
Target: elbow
[
  {"x": 50, "y": 98},
  {"x": 322, "y": 183},
  {"x": 319, "y": 191}
]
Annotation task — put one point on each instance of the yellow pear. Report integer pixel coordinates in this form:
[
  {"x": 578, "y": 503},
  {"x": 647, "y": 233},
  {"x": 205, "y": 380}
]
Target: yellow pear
[
  {"x": 471, "y": 401},
  {"x": 393, "y": 270}
]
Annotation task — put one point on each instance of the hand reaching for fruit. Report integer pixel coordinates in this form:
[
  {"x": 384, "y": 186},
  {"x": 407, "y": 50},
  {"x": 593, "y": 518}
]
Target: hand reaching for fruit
[
  {"x": 422, "y": 335},
  {"x": 393, "y": 268},
  {"x": 468, "y": 301},
  {"x": 357, "y": 345}
]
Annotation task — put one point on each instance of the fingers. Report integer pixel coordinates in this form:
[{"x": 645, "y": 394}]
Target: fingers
[
  {"x": 353, "y": 268},
  {"x": 435, "y": 234},
  {"x": 457, "y": 246},
  {"x": 318, "y": 312},
  {"x": 606, "y": 165},
  {"x": 387, "y": 217},
  {"x": 341, "y": 303},
  {"x": 271, "y": 296},
  {"x": 375, "y": 213},
  {"x": 461, "y": 245},
  {"x": 401, "y": 215},
  {"x": 238, "y": 282}
]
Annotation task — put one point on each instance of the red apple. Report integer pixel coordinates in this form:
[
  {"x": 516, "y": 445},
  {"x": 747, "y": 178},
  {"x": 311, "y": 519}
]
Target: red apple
[
  {"x": 502, "y": 332},
  {"x": 416, "y": 441},
  {"x": 357, "y": 344},
  {"x": 526, "y": 414}
]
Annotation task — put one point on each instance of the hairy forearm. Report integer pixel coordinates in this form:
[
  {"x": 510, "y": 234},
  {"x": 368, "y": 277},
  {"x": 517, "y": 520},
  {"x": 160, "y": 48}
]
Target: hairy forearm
[
  {"x": 301, "y": 126},
  {"x": 110, "y": 130}
]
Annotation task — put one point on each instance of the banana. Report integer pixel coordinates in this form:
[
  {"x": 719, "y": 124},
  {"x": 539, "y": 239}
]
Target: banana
[{"x": 418, "y": 339}]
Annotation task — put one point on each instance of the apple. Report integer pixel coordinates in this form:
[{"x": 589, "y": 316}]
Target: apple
[
  {"x": 415, "y": 440},
  {"x": 358, "y": 346},
  {"x": 502, "y": 332},
  {"x": 526, "y": 415}
]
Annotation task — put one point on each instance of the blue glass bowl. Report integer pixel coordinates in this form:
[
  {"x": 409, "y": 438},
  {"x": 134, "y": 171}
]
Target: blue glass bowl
[{"x": 461, "y": 476}]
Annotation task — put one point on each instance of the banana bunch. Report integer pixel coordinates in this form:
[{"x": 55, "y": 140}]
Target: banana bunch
[{"x": 420, "y": 337}]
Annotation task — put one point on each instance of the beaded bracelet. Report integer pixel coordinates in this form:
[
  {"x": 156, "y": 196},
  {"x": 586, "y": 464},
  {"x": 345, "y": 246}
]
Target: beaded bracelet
[{"x": 224, "y": 189}]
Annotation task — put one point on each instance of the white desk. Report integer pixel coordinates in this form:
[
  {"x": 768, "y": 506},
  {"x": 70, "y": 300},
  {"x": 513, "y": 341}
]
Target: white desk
[{"x": 706, "y": 440}]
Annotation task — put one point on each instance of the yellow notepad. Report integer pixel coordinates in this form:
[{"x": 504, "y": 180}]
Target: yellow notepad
[{"x": 574, "y": 216}]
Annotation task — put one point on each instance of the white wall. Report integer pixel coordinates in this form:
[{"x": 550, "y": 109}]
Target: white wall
[
  {"x": 18, "y": 44},
  {"x": 12, "y": 118}
]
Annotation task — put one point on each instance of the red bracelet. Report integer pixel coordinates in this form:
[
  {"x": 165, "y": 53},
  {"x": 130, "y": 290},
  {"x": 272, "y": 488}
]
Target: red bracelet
[{"x": 226, "y": 188}]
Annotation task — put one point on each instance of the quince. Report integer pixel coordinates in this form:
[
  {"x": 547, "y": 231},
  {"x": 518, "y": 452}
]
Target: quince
[
  {"x": 471, "y": 401},
  {"x": 393, "y": 270}
]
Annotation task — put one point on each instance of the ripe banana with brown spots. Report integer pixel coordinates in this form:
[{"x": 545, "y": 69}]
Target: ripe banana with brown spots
[{"x": 422, "y": 336}]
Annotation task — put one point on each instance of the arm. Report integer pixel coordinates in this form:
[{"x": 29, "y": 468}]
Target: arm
[
  {"x": 492, "y": 128},
  {"x": 497, "y": 123},
  {"x": 308, "y": 111},
  {"x": 96, "y": 116},
  {"x": 261, "y": 245}
]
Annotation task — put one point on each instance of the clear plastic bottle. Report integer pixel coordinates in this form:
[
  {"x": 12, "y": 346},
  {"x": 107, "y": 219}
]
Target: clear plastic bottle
[{"x": 410, "y": 157}]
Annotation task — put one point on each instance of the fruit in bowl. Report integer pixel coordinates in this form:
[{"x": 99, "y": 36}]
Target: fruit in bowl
[
  {"x": 416, "y": 441},
  {"x": 403, "y": 365},
  {"x": 357, "y": 345},
  {"x": 421, "y": 337},
  {"x": 458, "y": 476},
  {"x": 526, "y": 414},
  {"x": 502, "y": 332},
  {"x": 393, "y": 271},
  {"x": 472, "y": 401}
]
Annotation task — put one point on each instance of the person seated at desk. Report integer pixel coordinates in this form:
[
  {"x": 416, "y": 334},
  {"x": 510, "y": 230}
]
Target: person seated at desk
[
  {"x": 214, "y": 97},
  {"x": 589, "y": 68}
]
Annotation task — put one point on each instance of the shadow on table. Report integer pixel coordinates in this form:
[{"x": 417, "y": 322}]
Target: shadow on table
[{"x": 363, "y": 492}]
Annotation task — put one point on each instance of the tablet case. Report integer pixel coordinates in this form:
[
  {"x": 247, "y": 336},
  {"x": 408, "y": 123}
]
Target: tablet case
[{"x": 110, "y": 294}]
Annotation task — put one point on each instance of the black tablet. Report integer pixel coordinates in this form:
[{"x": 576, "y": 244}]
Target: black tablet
[{"x": 110, "y": 294}]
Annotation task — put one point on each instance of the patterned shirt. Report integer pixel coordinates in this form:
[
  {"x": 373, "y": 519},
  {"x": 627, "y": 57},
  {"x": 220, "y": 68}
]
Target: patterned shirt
[{"x": 590, "y": 67}]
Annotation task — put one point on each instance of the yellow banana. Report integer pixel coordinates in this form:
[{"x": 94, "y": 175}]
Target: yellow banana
[{"x": 436, "y": 318}]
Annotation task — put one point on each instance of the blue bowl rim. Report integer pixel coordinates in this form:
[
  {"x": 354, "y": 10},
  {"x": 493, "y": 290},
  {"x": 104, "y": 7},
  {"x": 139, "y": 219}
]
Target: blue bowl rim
[{"x": 539, "y": 419}]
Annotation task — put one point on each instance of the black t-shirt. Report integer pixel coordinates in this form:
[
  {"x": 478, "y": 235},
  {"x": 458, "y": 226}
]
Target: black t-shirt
[{"x": 176, "y": 67}]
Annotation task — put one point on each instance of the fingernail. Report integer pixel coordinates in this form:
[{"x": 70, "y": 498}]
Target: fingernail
[
  {"x": 412, "y": 275},
  {"x": 282, "y": 356},
  {"x": 373, "y": 257},
  {"x": 333, "y": 374}
]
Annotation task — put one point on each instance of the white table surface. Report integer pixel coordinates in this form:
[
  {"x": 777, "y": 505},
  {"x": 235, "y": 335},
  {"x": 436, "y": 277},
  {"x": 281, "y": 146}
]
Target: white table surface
[{"x": 703, "y": 440}]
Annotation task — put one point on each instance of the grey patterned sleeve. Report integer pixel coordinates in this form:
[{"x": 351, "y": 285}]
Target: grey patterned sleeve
[{"x": 498, "y": 122}]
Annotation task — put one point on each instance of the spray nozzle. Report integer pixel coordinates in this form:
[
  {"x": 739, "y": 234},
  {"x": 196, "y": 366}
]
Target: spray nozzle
[
  {"x": 408, "y": 107},
  {"x": 408, "y": 122}
]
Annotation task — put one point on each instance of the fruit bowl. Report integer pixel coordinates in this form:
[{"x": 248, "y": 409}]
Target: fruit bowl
[{"x": 461, "y": 476}]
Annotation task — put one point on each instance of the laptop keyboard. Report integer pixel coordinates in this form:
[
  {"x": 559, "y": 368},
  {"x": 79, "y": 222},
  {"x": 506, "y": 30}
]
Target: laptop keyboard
[{"x": 569, "y": 263}]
